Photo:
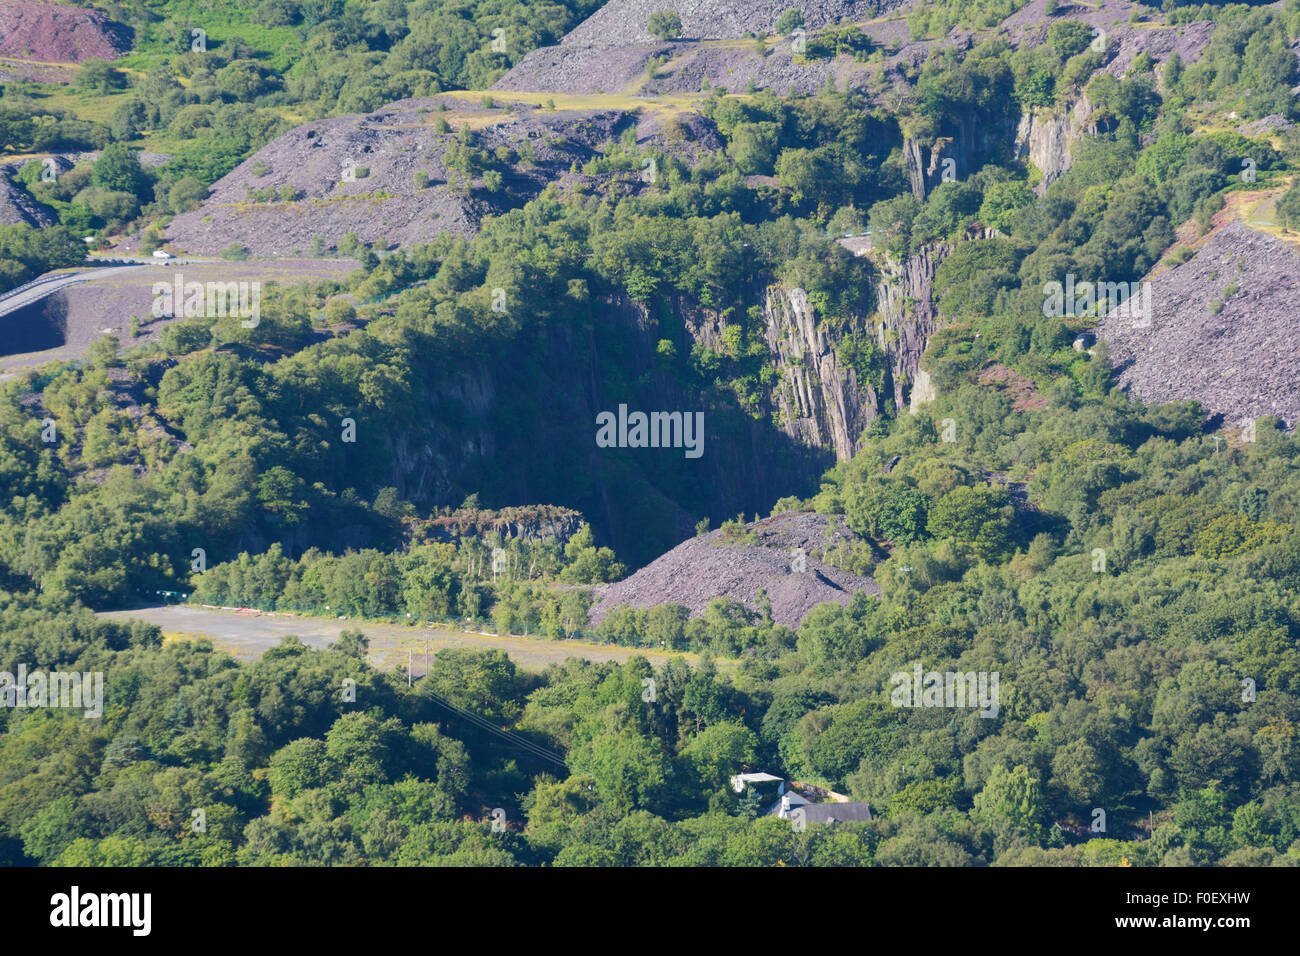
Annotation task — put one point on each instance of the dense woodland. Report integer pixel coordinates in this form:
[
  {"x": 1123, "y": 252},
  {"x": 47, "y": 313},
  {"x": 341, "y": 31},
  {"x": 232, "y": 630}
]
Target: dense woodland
[{"x": 1122, "y": 683}]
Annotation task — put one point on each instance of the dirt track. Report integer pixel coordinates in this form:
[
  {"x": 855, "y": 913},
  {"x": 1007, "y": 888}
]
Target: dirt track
[{"x": 247, "y": 635}]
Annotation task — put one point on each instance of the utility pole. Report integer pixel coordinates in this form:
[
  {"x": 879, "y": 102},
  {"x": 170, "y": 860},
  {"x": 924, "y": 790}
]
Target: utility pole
[
  {"x": 409, "y": 652},
  {"x": 426, "y": 657}
]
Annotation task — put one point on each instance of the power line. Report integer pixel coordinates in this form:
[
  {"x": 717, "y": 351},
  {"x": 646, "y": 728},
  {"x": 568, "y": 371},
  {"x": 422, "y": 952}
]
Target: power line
[{"x": 522, "y": 743}]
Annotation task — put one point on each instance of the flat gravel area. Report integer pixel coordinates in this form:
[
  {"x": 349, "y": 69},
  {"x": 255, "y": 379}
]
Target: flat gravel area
[{"x": 246, "y": 635}]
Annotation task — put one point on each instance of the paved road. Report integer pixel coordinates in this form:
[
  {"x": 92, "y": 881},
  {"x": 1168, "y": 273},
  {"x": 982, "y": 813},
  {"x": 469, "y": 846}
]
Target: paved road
[
  {"x": 52, "y": 282},
  {"x": 46, "y": 285},
  {"x": 151, "y": 261},
  {"x": 247, "y": 635}
]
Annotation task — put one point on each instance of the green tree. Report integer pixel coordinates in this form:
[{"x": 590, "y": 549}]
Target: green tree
[
  {"x": 1288, "y": 208},
  {"x": 664, "y": 24},
  {"x": 118, "y": 170},
  {"x": 99, "y": 76},
  {"x": 298, "y": 766},
  {"x": 975, "y": 518},
  {"x": 717, "y": 752},
  {"x": 1013, "y": 798}
]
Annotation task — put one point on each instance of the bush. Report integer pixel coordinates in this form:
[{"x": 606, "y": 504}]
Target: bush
[
  {"x": 1069, "y": 37},
  {"x": 181, "y": 338},
  {"x": 118, "y": 170},
  {"x": 1288, "y": 208},
  {"x": 664, "y": 24},
  {"x": 150, "y": 241},
  {"x": 792, "y": 19},
  {"x": 99, "y": 76}
]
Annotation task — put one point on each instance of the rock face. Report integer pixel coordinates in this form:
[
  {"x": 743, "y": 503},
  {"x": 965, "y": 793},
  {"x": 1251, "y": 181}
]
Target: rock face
[
  {"x": 1239, "y": 363},
  {"x": 954, "y": 157},
  {"x": 58, "y": 34},
  {"x": 909, "y": 316},
  {"x": 821, "y": 403},
  {"x": 920, "y": 172},
  {"x": 923, "y": 391},
  {"x": 645, "y": 501},
  {"x": 1047, "y": 137},
  {"x": 701, "y": 569},
  {"x": 531, "y": 523},
  {"x": 528, "y": 432}
]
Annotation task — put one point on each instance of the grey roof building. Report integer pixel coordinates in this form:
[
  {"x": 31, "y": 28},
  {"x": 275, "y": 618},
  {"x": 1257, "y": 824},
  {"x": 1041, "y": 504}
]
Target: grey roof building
[{"x": 820, "y": 812}]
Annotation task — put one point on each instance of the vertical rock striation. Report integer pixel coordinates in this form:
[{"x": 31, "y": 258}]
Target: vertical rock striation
[
  {"x": 1047, "y": 138},
  {"x": 819, "y": 400}
]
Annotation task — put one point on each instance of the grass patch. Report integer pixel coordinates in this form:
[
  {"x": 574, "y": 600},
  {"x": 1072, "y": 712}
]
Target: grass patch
[{"x": 668, "y": 104}]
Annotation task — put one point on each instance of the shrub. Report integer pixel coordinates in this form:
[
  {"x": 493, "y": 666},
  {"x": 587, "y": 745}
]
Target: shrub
[
  {"x": 664, "y": 24},
  {"x": 792, "y": 19}
]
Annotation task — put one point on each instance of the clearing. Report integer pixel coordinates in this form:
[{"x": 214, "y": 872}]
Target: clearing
[{"x": 246, "y": 635}]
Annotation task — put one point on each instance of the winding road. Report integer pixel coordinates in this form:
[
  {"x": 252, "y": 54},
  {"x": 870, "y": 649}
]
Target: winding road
[{"x": 52, "y": 282}]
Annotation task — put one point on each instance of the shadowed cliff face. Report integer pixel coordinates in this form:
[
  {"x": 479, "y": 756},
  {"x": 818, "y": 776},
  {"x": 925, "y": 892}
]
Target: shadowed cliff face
[
  {"x": 41, "y": 325},
  {"x": 520, "y": 426},
  {"x": 961, "y": 152}
]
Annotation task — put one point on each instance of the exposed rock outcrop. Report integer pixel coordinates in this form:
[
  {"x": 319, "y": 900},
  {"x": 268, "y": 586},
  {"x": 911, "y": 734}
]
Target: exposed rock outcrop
[
  {"x": 909, "y": 316},
  {"x": 821, "y": 403},
  {"x": 960, "y": 153},
  {"x": 532, "y": 523},
  {"x": 1047, "y": 138}
]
